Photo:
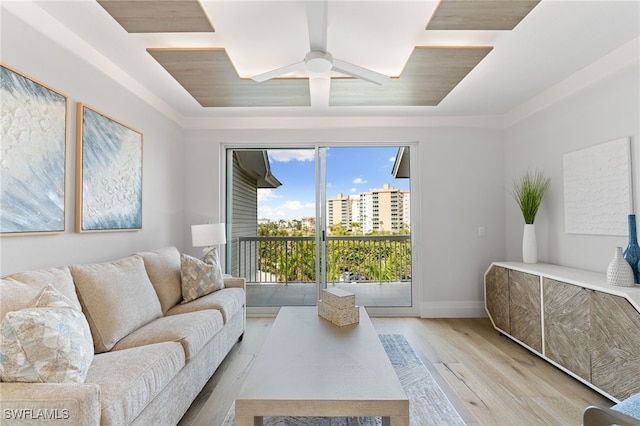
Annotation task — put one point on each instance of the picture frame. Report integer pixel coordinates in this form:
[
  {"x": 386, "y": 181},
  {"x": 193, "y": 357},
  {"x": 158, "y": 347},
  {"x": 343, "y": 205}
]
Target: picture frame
[
  {"x": 33, "y": 165},
  {"x": 108, "y": 173}
]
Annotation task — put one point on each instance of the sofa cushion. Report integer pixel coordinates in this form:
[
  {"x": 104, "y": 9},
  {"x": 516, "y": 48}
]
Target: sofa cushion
[
  {"x": 228, "y": 301},
  {"x": 163, "y": 268},
  {"x": 117, "y": 298},
  {"x": 19, "y": 290},
  {"x": 47, "y": 343},
  {"x": 199, "y": 278},
  {"x": 192, "y": 330},
  {"x": 131, "y": 378}
]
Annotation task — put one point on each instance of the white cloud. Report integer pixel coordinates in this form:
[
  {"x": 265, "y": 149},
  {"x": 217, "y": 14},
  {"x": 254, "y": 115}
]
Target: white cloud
[
  {"x": 287, "y": 210},
  {"x": 266, "y": 194},
  {"x": 297, "y": 205},
  {"x": 286, "y": 155},
  {"x": 392, "y": 159},
  {"x": 359, "y": 181},
  {"x": 353, "y": 190}
]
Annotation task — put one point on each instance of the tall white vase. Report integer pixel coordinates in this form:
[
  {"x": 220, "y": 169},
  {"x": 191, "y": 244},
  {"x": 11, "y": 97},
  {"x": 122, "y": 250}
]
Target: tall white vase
[
  {"x": 619, "y": 271},
  {"x": 529, "y": 244}
]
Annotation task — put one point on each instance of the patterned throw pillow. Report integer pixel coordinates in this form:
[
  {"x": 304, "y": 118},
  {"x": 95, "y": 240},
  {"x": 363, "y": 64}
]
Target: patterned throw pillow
[
  {"x": 49, "y": 342},
  {"x": 199, "y": 278}
]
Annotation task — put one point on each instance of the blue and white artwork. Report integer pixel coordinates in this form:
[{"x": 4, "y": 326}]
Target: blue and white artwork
[
  {"x": 111, "y": 174},
  {"x": 33, "y": 135}
]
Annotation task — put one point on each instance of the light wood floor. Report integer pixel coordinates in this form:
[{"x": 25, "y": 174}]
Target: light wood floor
[{"x": 489, "y": 379}]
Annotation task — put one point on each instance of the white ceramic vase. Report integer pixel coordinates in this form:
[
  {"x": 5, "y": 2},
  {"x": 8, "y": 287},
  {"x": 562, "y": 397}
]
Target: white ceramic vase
[
  {"x": 529, "y": 244},
  {"x": 619, "y": 271}
]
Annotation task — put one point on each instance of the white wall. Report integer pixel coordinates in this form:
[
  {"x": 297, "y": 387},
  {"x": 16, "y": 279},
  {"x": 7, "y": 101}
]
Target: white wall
[
  {"x": 461, "y": 185},
  {"x": 163, "y": 162},
  {"x": 458, "y": 182},
  {"x": 603, "y": 111}
]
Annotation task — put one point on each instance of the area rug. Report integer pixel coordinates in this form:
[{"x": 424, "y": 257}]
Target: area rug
[{"x": 428, "y": 405}]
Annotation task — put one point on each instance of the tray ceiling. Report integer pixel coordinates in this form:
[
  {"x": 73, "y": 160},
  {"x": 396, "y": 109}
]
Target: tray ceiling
[
  {"x": 209, "y": 75},
  {"x": 555, "y": 43}
]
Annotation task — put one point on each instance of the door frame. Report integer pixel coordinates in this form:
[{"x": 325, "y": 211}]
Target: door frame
[{"x": 416, "y": 247}]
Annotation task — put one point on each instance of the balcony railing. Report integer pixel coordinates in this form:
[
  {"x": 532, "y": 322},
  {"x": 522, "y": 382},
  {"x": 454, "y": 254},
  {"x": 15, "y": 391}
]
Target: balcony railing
[{"x": 366, "y": 259}]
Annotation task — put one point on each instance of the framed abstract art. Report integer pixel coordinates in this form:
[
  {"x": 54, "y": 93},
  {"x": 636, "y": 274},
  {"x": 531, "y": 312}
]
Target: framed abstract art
[
  {"x": 33, "y": 131},
  {"x": 108, "y": 173}
]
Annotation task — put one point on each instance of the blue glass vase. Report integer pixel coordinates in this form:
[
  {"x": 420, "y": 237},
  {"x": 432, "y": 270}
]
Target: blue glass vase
[{"x": 632, "y": 252}]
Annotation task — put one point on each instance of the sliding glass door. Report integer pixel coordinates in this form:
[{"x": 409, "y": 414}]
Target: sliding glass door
[{"x": 307, "y": 218}]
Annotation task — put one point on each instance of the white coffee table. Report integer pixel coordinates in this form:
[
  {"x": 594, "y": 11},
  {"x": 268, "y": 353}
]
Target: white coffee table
[{"x": 310, "y": 367}]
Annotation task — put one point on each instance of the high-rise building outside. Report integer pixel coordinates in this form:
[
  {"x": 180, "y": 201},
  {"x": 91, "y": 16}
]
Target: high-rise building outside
[
  {"x": 383, "y": 210},
  {"x": 339, "y": 210}
]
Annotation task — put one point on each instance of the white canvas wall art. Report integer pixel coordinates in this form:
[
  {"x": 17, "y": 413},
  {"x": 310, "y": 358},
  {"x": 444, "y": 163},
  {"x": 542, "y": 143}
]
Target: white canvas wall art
[
  {"x": 108, "y": 173},
  {"x": 33, "y": 135},
  {"x": 597, "y": 189}
]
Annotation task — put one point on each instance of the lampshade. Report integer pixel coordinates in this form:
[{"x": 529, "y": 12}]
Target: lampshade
[{"x": 210, "y": 234}]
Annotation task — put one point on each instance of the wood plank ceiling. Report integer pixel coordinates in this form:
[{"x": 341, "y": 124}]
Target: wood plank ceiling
[
  {"x": 429, "y": 75},
  {"x": 209, "y": 76},
  {"x": 158, "y": 16},
  {"x": 482, "y": 15}
]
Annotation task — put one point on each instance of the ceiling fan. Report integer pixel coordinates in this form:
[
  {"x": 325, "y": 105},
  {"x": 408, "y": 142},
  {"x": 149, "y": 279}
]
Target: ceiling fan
[{"x": 318, "y": 61}]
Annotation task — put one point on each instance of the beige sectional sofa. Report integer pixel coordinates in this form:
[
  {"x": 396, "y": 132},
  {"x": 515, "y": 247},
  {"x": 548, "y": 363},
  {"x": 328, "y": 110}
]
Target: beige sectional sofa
[{"x": 152, "y": 354}]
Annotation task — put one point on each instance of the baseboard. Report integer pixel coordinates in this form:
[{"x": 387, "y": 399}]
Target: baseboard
[
  {"x": 427, "y": 310},
  {"x": 469, "y": 309},
  {"x": 267, "y": 311}
]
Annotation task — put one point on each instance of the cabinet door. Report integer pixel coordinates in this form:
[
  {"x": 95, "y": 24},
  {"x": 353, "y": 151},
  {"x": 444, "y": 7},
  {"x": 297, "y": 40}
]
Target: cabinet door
[
  {"x": 497, "y": 297},
  {"x": 566, "y": 326},
  {"x": 615, "y": 342},
  {"x": 524, "y": 309}
]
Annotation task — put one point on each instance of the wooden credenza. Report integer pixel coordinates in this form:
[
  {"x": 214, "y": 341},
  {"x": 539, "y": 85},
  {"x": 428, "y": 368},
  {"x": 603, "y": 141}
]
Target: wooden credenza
[{"x": 571, "y": 318}]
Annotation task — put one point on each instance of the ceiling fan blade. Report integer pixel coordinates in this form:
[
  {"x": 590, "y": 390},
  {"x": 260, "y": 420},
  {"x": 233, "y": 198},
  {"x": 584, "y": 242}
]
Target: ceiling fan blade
[
  {"x": 359, "y": 72},
  {"x": 319, "y": 90},
  {"x": 278, "y": 72},
  {"x": 317, "y": 21}
]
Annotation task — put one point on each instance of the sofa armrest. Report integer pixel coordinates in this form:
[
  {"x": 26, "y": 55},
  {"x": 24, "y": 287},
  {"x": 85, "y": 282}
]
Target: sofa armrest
[
  {"x": 235, "y": 282},
  {"x": 49, "y": 403}
]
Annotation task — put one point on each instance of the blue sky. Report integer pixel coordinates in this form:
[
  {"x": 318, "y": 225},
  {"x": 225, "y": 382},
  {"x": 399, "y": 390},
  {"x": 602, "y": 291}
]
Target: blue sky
[{"x": 350, "y": 171}]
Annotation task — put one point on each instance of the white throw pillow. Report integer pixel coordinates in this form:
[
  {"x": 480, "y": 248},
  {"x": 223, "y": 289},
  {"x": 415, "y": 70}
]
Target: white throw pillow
[
  {"x": 47, "y": 343},
  {"x": 199, "y": 278}
]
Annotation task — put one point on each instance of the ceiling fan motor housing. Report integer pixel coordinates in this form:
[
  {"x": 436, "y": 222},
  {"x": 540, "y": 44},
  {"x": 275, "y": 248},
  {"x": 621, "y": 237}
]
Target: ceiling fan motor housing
[{"x": 318, "y": 61}]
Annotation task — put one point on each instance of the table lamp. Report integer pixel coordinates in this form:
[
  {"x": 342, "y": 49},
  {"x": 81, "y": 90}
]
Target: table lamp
[{"x": 209, "y": 236}]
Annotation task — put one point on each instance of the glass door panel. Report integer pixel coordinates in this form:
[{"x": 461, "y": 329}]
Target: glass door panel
[
  {"x": 273, "y": 215},
  {"x": 368, "y": 222}
]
